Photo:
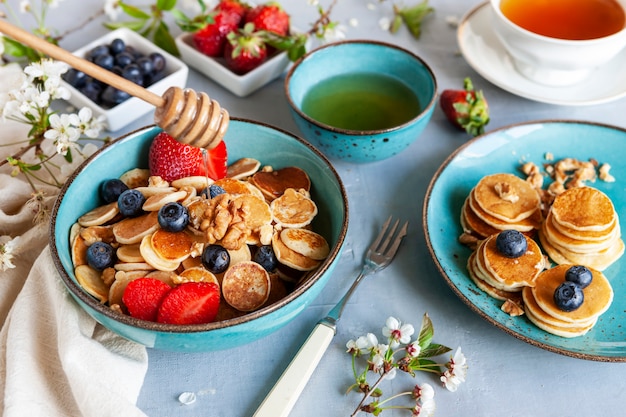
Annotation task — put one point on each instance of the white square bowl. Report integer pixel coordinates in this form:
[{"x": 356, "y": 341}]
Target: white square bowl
[
  {"x": 215, "y": 68},
  {"x": 128, "y": 111}
]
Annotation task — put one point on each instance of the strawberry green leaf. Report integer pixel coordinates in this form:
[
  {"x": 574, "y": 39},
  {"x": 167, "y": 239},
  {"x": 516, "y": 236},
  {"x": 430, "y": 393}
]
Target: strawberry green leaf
[
  {"x": 165, "y": 5},
  {"x": 413, "y": 16},
  {"x": 133, "y": 11},
  {"x": 164, "y": 39}
]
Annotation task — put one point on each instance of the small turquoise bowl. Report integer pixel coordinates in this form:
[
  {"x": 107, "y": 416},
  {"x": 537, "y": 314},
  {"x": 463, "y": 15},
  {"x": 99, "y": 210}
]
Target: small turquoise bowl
[
  {"x": 361, "y": 59},
  {"x": 244, "y": 138}
]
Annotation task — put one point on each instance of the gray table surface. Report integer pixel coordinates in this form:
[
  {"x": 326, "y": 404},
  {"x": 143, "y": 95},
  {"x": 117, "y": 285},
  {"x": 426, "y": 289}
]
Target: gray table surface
[{"x": 506, "y": 376}]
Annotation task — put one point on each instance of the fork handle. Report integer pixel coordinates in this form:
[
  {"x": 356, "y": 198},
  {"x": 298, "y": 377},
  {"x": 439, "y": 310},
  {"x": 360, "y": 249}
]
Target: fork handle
[{"x": 291, "y": 383}]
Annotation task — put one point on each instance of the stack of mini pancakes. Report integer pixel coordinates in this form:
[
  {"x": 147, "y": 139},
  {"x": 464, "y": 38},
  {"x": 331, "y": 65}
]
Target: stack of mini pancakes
[
  {"x": 500, "y": 202},
  {"x": 501, "y": 277},
  {"x": 582, "y": 227},
  {"x": 541, "y": 309}
]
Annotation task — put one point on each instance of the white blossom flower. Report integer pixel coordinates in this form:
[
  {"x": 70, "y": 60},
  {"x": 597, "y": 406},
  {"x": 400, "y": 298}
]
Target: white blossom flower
[
  {"x": 424, "y": 408},
  {"x": 354, "y": 22},
  {"x": 455, "y": 372},
  {"x": 335, "y": 33},
  {"x": 424, "y": 392},
  {"x": 112, "y": 9},
  {"x": 363, "y": 344},
  {"x": 25, "y": 6},
  {"x": 62, "y": 132},
  {"x": 378, "y": 357},
  {"x": 397, "y": 332},
  {"x": 413, "y": 349},
  {"x": 312, "y": 2},
  {"x": 384, "y": 23},
  {"x": 7, "y": 248}
]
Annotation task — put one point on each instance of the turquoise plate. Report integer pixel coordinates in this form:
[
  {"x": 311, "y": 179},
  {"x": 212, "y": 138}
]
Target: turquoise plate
[{"x": 503, "y": 150}]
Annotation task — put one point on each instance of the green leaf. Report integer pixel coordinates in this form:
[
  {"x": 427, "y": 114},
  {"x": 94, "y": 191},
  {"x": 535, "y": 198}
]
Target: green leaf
[
  {"x": 133, "y": 11},
  {"x": 413, "y": 16},
  {"x": 434, "y": 349},
  {"x": 163, "y": 38},
  {"x": 165, "y": 5},
  {"x": 134, "y": 25},
  {"x": 426, "y": 332}
]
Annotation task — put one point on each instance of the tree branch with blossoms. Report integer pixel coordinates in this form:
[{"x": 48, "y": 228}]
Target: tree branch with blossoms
[{"x": 402, "y": 354}]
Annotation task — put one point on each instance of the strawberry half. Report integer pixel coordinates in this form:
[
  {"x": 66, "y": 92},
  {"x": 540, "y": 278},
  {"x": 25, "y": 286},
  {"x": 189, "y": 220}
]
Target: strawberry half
[
  {"x": 190, "y": 303},
  {"x": 142, "y": 297},
  {"x": 466, "y": 109},
  {"x": 171, "y": 160},
  {"x": 270, "y": 17}
]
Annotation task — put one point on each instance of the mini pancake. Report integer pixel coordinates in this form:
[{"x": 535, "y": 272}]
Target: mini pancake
[
  {"x": 273, "y": 184},
  {"x": 306, "y": 242},
  {"x": 155, "y": 202},
  {"x": 133, "y": 266},
  {"x": 257, "y": 211},
  {"x": 530, "y": 304},
  {"x": 598, "y": 260},
  {"x": 513, "y": 272},
  {"x": 99, "y": 215},
  {"x": 197, "y": 182},
  {"x": 136, "y": 177},
  {"x": 290, "y": 257},
  {"x": 527, "y": 224},
  {"x": 586, "y": 235},
  {"x": 488, "y": 198},
  {"x": 91, "y": 281},
  {"x": 198, "y": 274},
  {"x": 171, "y": 246},
  {"x": 242, "y": 168},
  {"x": 78, "y": 247},
  {"x": 246, "y": 286},
  {"x": 470, "y": 221},
  {"x": 129, "y": 253},
  {"x": 134, "y": 229},
  {"x": 568, "y": 332},
  {"x": 293, "y": 209},
  {"x": 153, "y": 259},
  {"x": 239, "y": 255},
  {"x": 233, "y": 186},
  {"x": 152, "y": 191},
  {"x": 167, "y": 277},
  {"x": 598, "y": 295},
  {"x": 576, "y": 244},
  {"x": 584, "y": 209},
  {"x": 494, "y": 292}
]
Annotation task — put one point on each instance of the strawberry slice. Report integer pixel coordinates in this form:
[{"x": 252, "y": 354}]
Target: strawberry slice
[
  {"x": 190, "y": 303},
  {"x": 172, "y": 160},
  {"x": 143, "y": 296},
  {"x": 466, "y": 109}
]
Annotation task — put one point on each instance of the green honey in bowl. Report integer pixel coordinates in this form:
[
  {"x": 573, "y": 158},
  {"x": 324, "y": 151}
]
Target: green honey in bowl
[{"x": 363, "y": 101}]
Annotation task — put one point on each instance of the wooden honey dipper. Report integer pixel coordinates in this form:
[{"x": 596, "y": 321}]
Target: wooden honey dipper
[{"x": 189, "y": 117}]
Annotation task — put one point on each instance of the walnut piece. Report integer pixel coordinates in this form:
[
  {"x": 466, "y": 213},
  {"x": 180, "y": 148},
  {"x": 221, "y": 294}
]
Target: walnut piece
[
  {"x": 512, "y": 308},
  {"x": 504, "y": 191}
]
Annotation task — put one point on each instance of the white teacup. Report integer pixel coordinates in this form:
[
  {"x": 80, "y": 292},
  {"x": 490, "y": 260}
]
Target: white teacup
[{"x": 553, "y": 61}]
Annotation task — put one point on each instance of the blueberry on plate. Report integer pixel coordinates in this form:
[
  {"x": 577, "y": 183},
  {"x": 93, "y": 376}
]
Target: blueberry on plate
[
  {"x": 568, "y": 296},
  {"x": 173, "y": 217},
  {"x": 100, "y": 255},
  {"x": 511, "y": 243},
  {"x": 215, "y": 258},
  {"x": 579, "y": 274},
  {"x": 266, "y": 257},
  {"x": 111, "y": 189},
  {"x": 130, "y": 203}
]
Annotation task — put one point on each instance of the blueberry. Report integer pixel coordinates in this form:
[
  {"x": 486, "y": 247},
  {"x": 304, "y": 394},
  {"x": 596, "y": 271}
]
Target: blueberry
[
  {"x": 105, "y": 61},
  {"x": 100, "y": 255},
  {"x": 266, "y": 257},
  {"x": 75, "y": 78},
  {"x": 130, "y": 202},
  {"x": 92, "y": 90},
  {"x": 132, "y": 73},
  {"x": 158, "y": 61},
  {"x": 215, "y": 258},
  {"x": 112, "y": 96},
  {"x": 568, "y": 296},
  {"x": 145, "y": 65},
  {"x": 123, "y": 59},
  {"x": 117, "y": 45},
  {"x": 580, "y": 275},
  {"x": 214, "y": 191},
  {"x": 96, "y": 52},
  {"x": 111, "y": 189},
  {"x": 511, "y": 243},
  {"x": 173, "y": 217}
]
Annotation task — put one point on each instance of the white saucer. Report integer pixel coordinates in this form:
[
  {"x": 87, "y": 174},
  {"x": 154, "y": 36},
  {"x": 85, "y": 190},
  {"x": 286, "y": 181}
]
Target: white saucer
[{"x": 486, "y": 55}]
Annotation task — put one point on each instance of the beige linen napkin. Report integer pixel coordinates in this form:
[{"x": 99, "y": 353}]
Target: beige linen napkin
[{"x": 55, "y": 360}]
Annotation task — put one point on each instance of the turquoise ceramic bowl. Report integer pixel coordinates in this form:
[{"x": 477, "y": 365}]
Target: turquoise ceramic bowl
[
  {"x": 244, "y": 139},
  {"x": 355, "y": 58}
]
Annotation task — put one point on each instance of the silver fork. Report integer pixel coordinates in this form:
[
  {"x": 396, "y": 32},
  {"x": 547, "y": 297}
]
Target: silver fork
[{"x": 289, "y": 386}]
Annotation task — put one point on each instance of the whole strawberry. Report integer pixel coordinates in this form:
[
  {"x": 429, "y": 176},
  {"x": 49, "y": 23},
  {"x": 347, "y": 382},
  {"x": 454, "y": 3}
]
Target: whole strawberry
[
  {"x": 171, "y": 159},
  {"x": 269, "y": 16},
  {"x": 245, "y": 50},
  {"x": 210, "y": 38},
  {"x": 466, "y": 109}
]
